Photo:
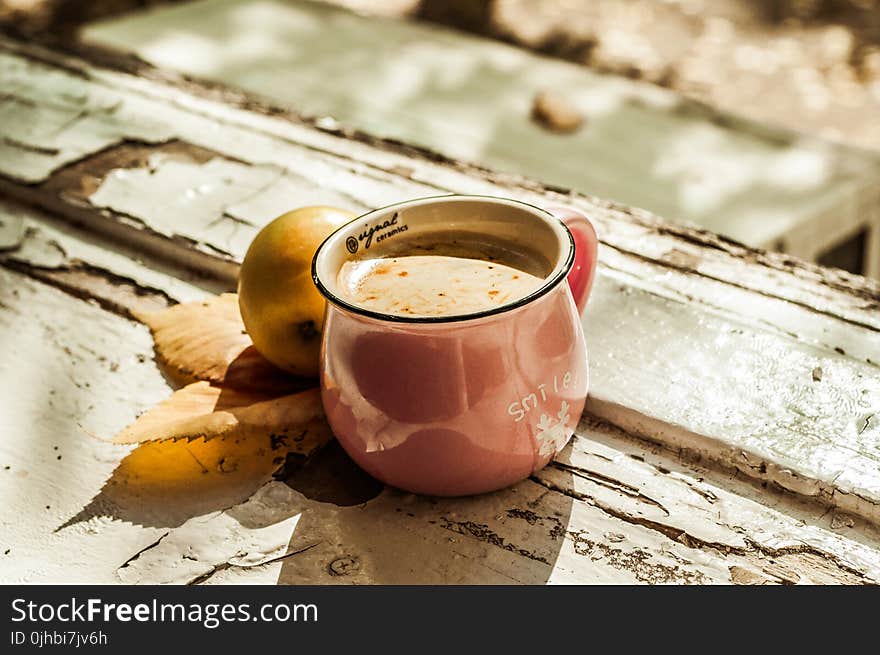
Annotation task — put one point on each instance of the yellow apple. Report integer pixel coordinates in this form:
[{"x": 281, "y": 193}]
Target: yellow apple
[{"x": 281, "y": 308}]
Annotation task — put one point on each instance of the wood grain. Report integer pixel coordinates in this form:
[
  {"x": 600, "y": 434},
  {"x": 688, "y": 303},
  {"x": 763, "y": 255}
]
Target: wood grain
[
  {"x": 706, "y": 288},
  {"x": 471, "y": 99},
  {"x": 611, "y": 509},
  {"x": 701, "y": 345}
]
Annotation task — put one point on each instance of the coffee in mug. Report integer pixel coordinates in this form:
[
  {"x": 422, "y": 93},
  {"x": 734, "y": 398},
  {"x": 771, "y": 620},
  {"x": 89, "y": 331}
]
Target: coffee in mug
[
  {"x": 445, "y": 275},
  {"x": 471, "y": 390}
]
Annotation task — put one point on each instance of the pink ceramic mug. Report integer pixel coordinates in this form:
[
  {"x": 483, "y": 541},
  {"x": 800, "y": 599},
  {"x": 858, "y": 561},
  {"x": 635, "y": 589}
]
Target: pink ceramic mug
[{"x": 455, "y": 405}]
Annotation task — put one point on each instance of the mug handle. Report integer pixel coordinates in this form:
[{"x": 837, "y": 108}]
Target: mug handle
[{"x": 586, "y": 250}]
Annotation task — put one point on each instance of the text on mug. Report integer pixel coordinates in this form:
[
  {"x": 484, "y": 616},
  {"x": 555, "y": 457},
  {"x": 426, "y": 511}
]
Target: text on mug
[{"x": 519, "y": 408}]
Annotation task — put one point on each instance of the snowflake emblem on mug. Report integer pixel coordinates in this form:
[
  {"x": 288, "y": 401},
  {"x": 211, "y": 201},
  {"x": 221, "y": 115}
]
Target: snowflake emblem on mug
[{"x": 552, "y": 435}]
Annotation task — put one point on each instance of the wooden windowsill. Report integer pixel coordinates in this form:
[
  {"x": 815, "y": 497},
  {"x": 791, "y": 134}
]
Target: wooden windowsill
[{"x": 738, "y": 367}]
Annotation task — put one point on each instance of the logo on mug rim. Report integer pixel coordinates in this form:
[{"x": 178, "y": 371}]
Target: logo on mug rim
[{"x": 351, "y": 244}]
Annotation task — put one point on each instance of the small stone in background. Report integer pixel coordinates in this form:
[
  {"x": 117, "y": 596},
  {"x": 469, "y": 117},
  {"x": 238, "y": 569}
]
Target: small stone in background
[
  {"x": 817, "y": 374},
  {"x": 555, "y": 113}
]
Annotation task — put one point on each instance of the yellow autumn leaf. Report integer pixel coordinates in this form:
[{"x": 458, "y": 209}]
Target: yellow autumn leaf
[
  {"x": 201, "y": 410},
  {"x": 206, "y": 340}
]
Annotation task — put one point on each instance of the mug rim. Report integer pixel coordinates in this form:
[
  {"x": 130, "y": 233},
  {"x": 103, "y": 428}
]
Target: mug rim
[{"x": 559, "y": 274}]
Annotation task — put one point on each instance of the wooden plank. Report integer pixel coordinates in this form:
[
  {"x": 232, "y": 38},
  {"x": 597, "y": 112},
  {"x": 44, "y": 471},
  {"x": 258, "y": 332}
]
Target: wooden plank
[
  {"x": 67, "y": 383},
  {"x": 612, "y": 509},
  {"x": 71, "y": 370},
  {"x": 470, "y": 99},
  {"x": 68, "y": 258},
  {"x": 254, "y": 134},
  {"x": 75, "y": 509},
  {"x": 747, "y": 329}
]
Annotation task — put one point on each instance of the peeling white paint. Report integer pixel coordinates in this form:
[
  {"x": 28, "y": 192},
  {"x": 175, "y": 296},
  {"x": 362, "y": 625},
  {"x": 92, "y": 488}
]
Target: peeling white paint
[
  {"x": 745, "y": 389},
  {"x": 427, "y": 85},
  {"x": 179, "y": 198},
  {"x": 524, "y": 534},
  {"x": 43, "y": 128},
  {"x": 30, "y": 239},
  {"x": 703, "y": 354},
  {"x": 204, "y": 545}
]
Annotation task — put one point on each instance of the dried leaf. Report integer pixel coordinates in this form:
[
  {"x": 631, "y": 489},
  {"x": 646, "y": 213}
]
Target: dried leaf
[
  {"x": 207, "y": 341},
  {"x": 202, "y": 410}
]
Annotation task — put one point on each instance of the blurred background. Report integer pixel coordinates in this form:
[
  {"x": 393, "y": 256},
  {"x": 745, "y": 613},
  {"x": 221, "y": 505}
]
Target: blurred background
[{"x": 757, "y": 120}]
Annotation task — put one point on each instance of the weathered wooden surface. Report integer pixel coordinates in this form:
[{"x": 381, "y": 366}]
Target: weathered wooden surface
[
  {"x": 610, "y": 510},
  {"x": 470, "y": 98},
  {"x": 752, "y": 363}
]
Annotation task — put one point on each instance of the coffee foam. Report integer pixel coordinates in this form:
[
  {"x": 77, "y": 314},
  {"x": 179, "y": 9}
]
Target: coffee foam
[{"x": 433, "y": 285}]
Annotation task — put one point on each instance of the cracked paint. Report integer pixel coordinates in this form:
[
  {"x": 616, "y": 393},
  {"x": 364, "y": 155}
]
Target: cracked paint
[
  {"x": 44, "y": 128},
  {"x": 188, "y": 199},
  {"x": 618, "y": 493},
  {"x": 202, "y": 545}
]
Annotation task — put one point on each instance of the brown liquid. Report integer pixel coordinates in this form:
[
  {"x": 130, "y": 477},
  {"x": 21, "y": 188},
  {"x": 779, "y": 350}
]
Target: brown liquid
[{"x": 448, "y": 279}]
